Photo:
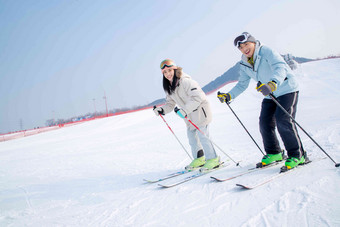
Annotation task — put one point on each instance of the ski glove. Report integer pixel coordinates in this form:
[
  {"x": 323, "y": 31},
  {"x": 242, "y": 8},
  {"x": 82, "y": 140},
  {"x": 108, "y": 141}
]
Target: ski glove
[
  {"x": 158, "y": 110},
  {"x": 266, "y": 89},
  {"x": 224, "y": 97},
  {"x": 180, "y": 112}
]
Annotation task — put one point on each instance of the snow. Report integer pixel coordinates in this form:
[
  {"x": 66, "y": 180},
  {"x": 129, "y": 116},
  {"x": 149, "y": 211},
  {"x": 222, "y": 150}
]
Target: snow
[{"x": 92, "y": 174}]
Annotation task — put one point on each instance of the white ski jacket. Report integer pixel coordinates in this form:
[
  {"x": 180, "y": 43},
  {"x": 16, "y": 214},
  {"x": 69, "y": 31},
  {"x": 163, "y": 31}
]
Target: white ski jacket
[{"x": 189, "y": 96}]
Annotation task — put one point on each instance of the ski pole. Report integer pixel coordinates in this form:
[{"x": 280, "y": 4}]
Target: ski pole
[
  {"x": 237, "y": 163},
  {"x": 175, "y": 135},
  {"x": 291, "y": 117},
  {"x": 243, "y": 126}
]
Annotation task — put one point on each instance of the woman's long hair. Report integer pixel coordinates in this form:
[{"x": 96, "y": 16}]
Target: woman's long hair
[{"x": 170, "y": 88}]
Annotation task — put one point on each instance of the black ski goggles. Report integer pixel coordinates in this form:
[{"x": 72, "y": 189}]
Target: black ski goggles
[
  {"x": 241, "y": 39},
  {"x": 167, "y": 63}
]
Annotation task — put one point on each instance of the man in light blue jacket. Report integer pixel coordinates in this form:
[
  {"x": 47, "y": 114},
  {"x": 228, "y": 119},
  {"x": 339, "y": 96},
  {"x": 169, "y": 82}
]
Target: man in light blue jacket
[{"x": 273, "y": 75}]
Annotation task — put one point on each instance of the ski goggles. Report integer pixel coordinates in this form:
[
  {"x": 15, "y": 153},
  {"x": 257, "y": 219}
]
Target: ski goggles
[
  {"x": 167, "y": 63},
  {"x": 241, "y": 39}
]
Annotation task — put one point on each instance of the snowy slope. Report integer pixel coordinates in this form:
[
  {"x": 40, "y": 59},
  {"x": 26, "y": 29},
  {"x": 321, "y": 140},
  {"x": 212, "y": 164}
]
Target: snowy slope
[{"x": 92, "y": 174}]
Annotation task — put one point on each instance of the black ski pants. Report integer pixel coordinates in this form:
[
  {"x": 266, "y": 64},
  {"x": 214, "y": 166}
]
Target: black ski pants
[{"x": 272, "y": 116}]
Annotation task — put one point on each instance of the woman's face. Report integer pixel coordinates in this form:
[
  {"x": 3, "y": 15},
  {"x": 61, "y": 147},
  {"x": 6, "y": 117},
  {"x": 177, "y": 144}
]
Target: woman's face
[
  {"x": 247, "y": 49},
  {"x": 169, "y": 73}
]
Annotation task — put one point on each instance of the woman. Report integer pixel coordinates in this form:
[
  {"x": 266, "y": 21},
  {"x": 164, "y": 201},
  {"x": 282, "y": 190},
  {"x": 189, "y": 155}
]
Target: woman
[
  {"x": 193, "y": 105},
  {"x": 273, "y": 75}
]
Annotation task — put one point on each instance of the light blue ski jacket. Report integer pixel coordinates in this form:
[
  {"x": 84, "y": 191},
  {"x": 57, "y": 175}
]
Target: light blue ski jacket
[{"x": 268, "y": 66}]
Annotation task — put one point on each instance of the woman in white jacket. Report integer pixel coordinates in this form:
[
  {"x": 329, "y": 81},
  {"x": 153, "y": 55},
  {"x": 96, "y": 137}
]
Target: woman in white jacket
[{"x": 184, "y": 92}]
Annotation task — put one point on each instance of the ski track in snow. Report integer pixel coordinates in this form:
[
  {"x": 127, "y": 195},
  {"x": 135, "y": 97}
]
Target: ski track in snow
[{"x": 92, "y": 174}]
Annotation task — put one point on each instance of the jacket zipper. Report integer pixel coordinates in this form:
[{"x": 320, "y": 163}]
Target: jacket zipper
[{"x": 251, "y": 67}]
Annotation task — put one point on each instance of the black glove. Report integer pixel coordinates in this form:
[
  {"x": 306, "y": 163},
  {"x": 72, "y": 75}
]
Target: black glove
[
  {"x": 266, "y": 89},
  {"x": 224, "y": 97},
  {"x": 158, "y": 110}
]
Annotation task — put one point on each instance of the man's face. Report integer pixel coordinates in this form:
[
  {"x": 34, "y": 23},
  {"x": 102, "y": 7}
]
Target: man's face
[{"x": 247, "y": 49}]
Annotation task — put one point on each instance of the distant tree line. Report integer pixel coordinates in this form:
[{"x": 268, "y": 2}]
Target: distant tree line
[
  {"x": 330, "y": 57},
  {"x": 52, "y": 122}
]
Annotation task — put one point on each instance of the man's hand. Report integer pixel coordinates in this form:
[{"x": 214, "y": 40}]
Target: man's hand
[
  {"x": 266, "y": 89},
  {"x": 224, "y": 97}
]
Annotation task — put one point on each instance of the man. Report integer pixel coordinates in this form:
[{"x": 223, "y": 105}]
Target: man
[{"x": 274, "y": 76}]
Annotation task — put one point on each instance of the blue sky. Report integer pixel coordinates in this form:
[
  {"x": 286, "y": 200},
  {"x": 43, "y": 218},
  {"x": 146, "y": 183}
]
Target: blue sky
[{"x": 57, "y": 56}]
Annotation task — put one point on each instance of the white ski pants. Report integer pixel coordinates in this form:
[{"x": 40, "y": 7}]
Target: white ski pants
[{"x": 198, "y": 141}]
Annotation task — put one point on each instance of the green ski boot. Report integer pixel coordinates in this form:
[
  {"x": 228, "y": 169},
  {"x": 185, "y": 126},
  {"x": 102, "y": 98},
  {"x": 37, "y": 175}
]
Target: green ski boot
[
  {"x": 211, "y": 164},
  {"x": 270, "y": 158},
  {"x": 196, "y": 163},
  {"x": 292, "y": 162}
]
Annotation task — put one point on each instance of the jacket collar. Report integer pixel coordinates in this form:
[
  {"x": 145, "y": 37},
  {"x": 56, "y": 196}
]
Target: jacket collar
[{"x": 256, "y": 57}]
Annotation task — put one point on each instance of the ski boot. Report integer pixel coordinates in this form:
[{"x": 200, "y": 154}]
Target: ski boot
[
  {"x": 292, "y": 162},
  {"x": 196, "y": 163},
  {"x": 211, "y": 164},
  {"x": 270, "y": 158}
]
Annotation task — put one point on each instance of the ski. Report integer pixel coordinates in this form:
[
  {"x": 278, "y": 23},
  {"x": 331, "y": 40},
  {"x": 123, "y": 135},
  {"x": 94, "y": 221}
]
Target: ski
[
  {"x": 191, "y": 177},
  {"x": 251, "y": 170},
  {"x": 283, "y": 172},
  {"x": 179, "y": 173}
]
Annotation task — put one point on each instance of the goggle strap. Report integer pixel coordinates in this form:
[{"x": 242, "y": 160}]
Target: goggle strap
[{"x": 166, "y": 66}]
